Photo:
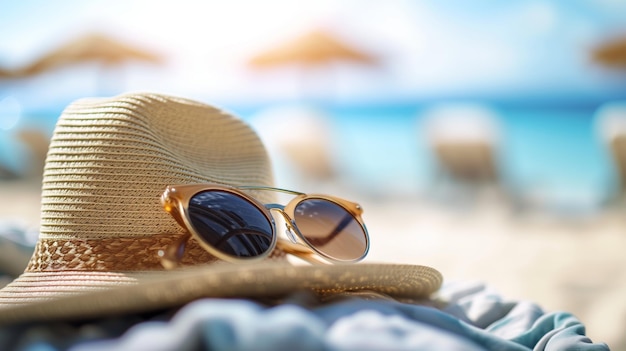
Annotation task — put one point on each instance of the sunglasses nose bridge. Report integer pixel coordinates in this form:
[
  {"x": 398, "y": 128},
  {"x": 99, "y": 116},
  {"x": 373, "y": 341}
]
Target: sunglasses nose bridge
[{"x": 290, "y": 224}]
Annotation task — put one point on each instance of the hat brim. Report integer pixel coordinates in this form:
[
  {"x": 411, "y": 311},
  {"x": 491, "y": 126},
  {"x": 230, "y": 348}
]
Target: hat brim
[{"x": 271, "y": 279}]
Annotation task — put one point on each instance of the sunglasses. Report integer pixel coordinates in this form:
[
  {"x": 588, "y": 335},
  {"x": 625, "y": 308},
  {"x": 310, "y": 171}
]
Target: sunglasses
[{"x": 234, "y": 226}]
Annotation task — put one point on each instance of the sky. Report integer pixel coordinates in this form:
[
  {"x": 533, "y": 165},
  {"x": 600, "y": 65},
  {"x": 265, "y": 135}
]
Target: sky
[
  {"x": 524, "y": 52},
  {"x": 427, "y": 49}
]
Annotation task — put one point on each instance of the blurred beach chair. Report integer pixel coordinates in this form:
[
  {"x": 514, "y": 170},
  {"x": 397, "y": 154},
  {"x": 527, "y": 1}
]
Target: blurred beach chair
[
  {"x": 464, "y": 142},
  {"x": 300, "y": 141},
  {"x": 36, "y": 141},
  {"x": 23, "y": 145},
  {"x": 23, "y": 153},
  {"x": 610, "y": 123}
]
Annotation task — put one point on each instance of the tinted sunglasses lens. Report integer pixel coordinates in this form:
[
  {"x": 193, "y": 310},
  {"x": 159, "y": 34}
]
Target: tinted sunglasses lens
[
  {"x": 230, "y": 223},
  {"x": 331, "y": 229}
]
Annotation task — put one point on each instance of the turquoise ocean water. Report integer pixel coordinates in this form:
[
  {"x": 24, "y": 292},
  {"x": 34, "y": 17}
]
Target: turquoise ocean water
[{"x": 554, "y": 150}]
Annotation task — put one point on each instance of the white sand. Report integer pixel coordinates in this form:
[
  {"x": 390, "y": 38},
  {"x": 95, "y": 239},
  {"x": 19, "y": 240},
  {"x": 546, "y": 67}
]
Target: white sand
[{"x": 575, "y": 266}]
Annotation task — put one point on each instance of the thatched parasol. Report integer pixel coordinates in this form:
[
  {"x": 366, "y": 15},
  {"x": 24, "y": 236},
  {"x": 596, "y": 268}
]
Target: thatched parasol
[
  {"x": 314, "y": 56},
  {"x": 6, "y": 73},
  {"x": 315, "y": 48},
  {"x": 612, "y": 53},
  {"x": 93, "y": 47}
]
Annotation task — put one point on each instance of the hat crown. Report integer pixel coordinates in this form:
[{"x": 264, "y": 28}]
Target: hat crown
[{"x": 111, "y": 158}]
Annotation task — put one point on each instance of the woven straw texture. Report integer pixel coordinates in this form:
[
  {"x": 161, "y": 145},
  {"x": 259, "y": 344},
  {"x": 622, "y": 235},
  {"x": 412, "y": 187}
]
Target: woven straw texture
[
  {"x": 102, "y": 224},
  {"x": 110, "y": 159},
  {"x": 267, "y": 279},
  {"x": 108, "y": 163}
]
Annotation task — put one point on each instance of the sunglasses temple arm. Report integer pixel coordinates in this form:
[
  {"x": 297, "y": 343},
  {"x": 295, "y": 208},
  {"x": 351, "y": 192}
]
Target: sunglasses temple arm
[
  {"x": 299, "y": 251},
  {"x": 171, "y": 256}
]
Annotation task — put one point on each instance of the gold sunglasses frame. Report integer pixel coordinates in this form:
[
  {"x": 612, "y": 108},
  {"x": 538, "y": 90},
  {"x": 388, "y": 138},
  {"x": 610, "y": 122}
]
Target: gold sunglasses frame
[{"x": 175, "y": 200}]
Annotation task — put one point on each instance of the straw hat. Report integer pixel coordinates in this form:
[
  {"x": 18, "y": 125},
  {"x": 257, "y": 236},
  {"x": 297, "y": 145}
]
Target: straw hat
[{"x": 102, "y": 225}]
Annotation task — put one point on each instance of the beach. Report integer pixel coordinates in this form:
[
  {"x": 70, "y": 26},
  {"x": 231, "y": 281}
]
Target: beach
[{"x": 573, "y": 265}]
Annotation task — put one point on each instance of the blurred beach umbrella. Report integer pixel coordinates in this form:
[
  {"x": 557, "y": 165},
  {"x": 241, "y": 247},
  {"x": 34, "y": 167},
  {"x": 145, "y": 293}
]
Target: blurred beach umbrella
[
  {"x": 97, "y": 48},
  {"x": 312, "y": 52},
  {"x": 93, "y": 47},
  {"x": 5, "y": 73},
  {"x": 315, "y": 48},
  {"x": 612, "y": 53}
]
